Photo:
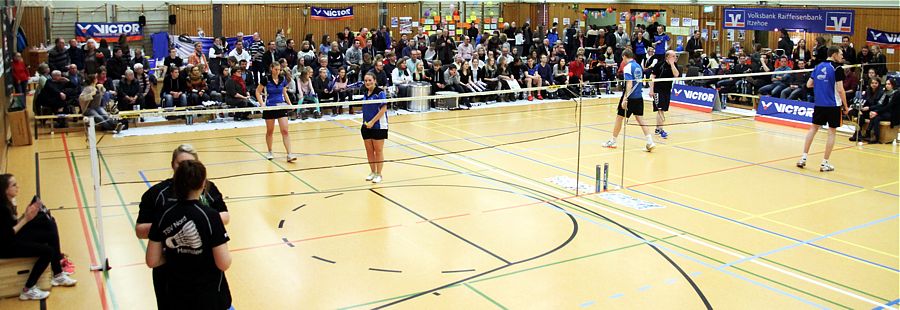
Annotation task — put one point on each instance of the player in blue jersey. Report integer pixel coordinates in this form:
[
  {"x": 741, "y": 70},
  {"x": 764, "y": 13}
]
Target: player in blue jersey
[
  {"x": 375, "y": 127},
  {"x": 632, "y": 101},
  {"x": 826, "y": 81}
]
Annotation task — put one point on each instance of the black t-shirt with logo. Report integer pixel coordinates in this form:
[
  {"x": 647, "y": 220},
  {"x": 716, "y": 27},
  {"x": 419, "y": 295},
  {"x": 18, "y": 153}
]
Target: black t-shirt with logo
[
  {"x": 161, "y": 195},
  {"x": 188, "y": 231},
  {"x": 663, "y": 70}
]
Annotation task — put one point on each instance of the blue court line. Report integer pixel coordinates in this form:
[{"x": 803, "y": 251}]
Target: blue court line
[
  {"x": 788, "y": 247},
  {"x": 703, "y": 211},
  {"x": 645, "y": 287},
  {"x": 144, "y": 177},
  {"x": 729, "y": 272},
  {"x": 615, "y": 296},
  {"x": 587, "y": 304},
  {"x": 888, "y": 305}
]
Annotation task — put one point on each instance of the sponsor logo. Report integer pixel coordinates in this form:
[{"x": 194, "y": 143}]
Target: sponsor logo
[
  {"x": 735, "y": 18},
  {"x": 695, "y": 95},
  {"x": 838, "y": 21},
  {"x": 889, "y": 37},
  {"x": 787, "y": 108},
  {"x": 332, "y": 13},
  {"x": 109, "y": 29}
]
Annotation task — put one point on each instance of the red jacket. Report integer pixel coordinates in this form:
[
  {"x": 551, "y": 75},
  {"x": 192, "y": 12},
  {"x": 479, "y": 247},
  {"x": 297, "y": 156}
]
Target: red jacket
[
  {"x": 19, "y": 71},
  {"x": 576, "y": 69}
]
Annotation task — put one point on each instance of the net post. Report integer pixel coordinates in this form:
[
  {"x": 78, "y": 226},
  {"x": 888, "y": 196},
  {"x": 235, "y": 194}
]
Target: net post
[
  {"x": 598, "y": 180},
  {"x": 102, "y": 263}
]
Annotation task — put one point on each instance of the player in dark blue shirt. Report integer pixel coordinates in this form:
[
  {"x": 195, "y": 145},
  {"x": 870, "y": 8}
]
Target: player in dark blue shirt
[
  {"x": 375, "y": 127},
  {"x": 826, "y": 80}
]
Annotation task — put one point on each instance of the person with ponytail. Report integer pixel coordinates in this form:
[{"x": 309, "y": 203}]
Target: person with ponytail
[{"x": 190, "y": 240}]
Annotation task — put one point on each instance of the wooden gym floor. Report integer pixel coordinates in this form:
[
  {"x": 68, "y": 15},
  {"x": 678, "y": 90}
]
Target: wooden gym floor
[{"x": 467, "y": 216}]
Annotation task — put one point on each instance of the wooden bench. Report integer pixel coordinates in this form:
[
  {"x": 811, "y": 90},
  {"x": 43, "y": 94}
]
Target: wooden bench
[
  {"x": 754, "y": 99},
  {"x": 14, "y": 272},
  {"x": 886, "y": 133}
]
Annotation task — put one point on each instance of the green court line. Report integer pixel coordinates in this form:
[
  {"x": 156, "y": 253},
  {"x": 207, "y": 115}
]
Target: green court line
[
  {"x": 485, "y": 296},
  {"x": 581, "y": 211},
  {"x": 121, "y": 200},
  {"x": 112, "y": 296},
  {"x": 278, "y": 165}
]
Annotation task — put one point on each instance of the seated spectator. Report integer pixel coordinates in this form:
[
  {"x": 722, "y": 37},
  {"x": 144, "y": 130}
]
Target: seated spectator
[
  {"x": 796, "y": 89},
  {"x": 129, "y": 94},
  {"x": 367, "y": 64},
  {"x": 420, "y": 74},
  {"x": 323, "y": 63},
  {"x": 335, "y": 58},
  {"x": 400, "y": 74},
  {"x": 532, "y": 79},
  {"x": 174, "y": 89},
  {"x": 240, "y": 53},
  {"x": 236, "y": 95},
  {"x": 468, "y": 78},
  {"x": 879, "y": 61},
  {"x": 339, "y": 86},
  {"x": 507, "y": 80},
  {"x": 33, "y": 234},
  {"x": 381, "y": 76},
  {"x": 886, "y": 109},
  {"x": 307, "y": 92},
  {"x": 92, "y": 105},
  {"x": 779, "y": 81},
  {"x": 322, "y": 88},
  {"x": 76, "y": 80},
  {"x": 730, "y": 85},
  {"x": 197, "y": 57},
  {"x": 307, "y": 53},
  {"x": 489, "y": 75},
  {"x": 198, "y": 90},
  {"x": 576, "y": 70},
  {"x": 55, "y": 95},
  {"x": 173, "y": 60},
  {"x": 561, "y": 72},
  {"x": 437, "y": 77},
  {"x": 453, "y": 83},
  {"x": 148, "y": 84}
]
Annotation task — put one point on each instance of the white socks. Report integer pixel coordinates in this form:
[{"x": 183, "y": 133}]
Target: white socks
[
  {"x": 804, "y": 156},
  {"x": 650, "y": 139}
]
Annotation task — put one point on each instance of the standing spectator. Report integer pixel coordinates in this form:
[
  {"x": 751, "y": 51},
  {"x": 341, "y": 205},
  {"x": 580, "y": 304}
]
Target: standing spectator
[
  {"x": 117, "y": 65},
  {"x": 465, "y": 50},
  {"x": 289, "y": 53},
  {"x": 849, "y": 51},
  {"x": 271, "y": 54},
  {"x": 695, "y": 43},
  {"x": 257, "y": 49},
  {"x": 57, "y": 57},
  {"x": 76, "y": 54},
  {"x": 639, "y": 45},
  {"x": 217, "y": 60},
  {"x": 239, "y": 53},
  {"x": 864, "y": 57},
  {"x": 784, "y": 43},
  {"x": 528, "y": 38},
  {"x": 660, "y": 44},
  {"x": 280, "y": 41},
  {"x": 104, "y": 49},
  {"x": 20, "y": 74},
  {"x": 820, "y": 51},
  {"x": 93, "y": 59},
  {"x": 879, "y": 61}
]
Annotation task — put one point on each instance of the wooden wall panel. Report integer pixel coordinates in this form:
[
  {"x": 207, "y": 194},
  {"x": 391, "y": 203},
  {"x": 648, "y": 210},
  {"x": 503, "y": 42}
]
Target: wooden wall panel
[
  {"x": 265, "y": 19},
  {"x": 520, "y": 13},
  {"x": 34, "y": 26},
  {"x": 189, "y": 17}
]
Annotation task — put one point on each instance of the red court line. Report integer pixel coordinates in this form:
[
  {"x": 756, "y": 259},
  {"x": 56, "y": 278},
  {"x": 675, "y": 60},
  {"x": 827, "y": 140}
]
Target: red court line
[
  {"x": 84, "y": 227},
  {"x": 316, "y": 238},
  {"x": 443, "y": 218},
  {"x": 729, "y": 169}
]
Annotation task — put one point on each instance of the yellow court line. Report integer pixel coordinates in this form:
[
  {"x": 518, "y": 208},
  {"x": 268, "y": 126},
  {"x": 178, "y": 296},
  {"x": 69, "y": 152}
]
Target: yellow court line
[
  {"x": 776, "y": 222},
  {"x": 886, "y": 184},
  {"x": 806, "y": 204}
]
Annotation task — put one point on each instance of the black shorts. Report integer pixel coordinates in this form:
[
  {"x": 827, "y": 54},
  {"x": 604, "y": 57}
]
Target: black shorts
[
  {"x": 661, "y": 101},
  {"x": 635, "y": 107},
  {"x": 827, "y": 115},
  {"x": 373, "y": 134},
  {"x": 275, "y": 114}
]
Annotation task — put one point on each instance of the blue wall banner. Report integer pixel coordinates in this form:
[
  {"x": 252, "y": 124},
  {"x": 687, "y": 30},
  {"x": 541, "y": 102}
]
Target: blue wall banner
[
  {"x": 109, "y": 31},
  {"x": 883, "y": 38},
  {"x": 815, "y": 21},
  {"x": 695, "y": 98},
  {"x": 784, "y": 112},
  {"x": 330, "y": 14}
]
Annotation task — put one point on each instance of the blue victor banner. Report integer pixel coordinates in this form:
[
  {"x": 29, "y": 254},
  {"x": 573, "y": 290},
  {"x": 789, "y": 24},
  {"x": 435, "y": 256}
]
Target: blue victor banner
[
  {"x": 815, "y": 21},
  {"x": 883, "y": 38},
  {"x": 331, "y": 14},
  {"x": 785, "y": 112},
  {"x": 694, "y": 98},
  {"x": 109, "y": 31}
]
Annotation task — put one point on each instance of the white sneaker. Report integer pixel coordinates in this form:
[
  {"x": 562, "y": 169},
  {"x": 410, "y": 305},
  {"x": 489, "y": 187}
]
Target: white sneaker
[
  {"x": 610, "y": 144},
  {"x": 269, "y": 156},
  {"x": 291, "y": 158},
  {"x": 370, "y": 177},
  {"x": 826, "y": 167},
  {"x": 33, "y": 293},
  {"x": 649, "y": 147},
  {"x": 62, "y": 280},
  {"x": 801, "y": 163},
  {"x": 376, "y": 179}
]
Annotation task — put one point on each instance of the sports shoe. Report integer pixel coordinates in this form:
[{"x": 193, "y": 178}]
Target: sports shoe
[
  {"x": 826, "y": 167},
  {"x": 67, "y": 266},
  {"x": 649, "y": 147},
  {"x": 62, "y": 280},
  {"x": 530, "y": 98},
  {"x": 656, "y": 131},
  {"x": 540, "y": 97},
  {"x": 371, "y": 176},
  {"x": 33, "y": 293},
  {"x": 269, "y": 156},
  {"x": 801, "y": 163},
  {"x": 291, "y": 158},
  {"x": 663, "y": 134},
  {"x": 610, "y": 144},
  {"x": 376, "y": 179}
]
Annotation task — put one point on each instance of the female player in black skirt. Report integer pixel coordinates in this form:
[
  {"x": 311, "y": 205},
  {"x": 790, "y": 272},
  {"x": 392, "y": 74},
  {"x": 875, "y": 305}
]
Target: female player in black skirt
[
  {"x": 275, "y": 88},
  {"x": 375, "y": 127}
]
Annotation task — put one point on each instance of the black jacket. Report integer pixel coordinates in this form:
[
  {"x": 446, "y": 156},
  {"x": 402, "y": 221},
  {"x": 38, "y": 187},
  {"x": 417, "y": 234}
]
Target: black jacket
[{"x": 176, "y": 85}]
